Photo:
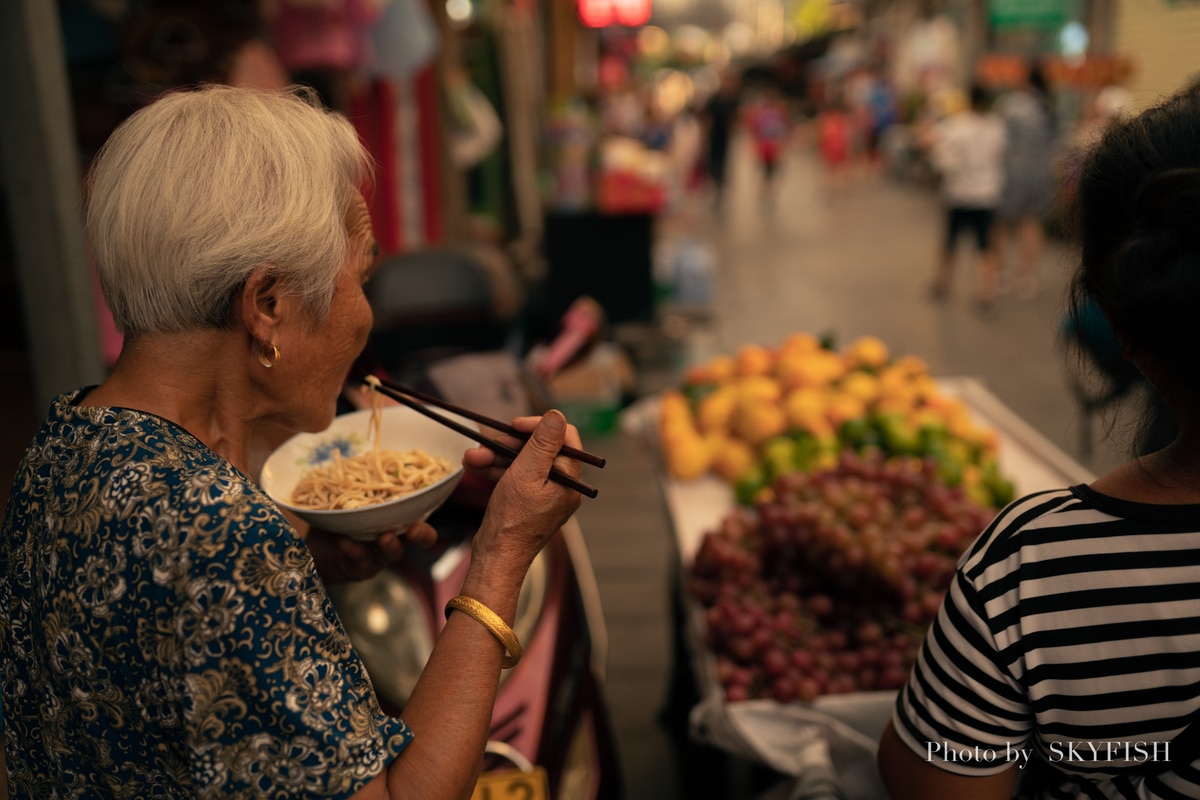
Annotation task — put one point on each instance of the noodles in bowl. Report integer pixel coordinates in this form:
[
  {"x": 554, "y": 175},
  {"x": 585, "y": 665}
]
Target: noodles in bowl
[
  {"x": 371, "y": 471},
  {"x": 368, "y": 479}
]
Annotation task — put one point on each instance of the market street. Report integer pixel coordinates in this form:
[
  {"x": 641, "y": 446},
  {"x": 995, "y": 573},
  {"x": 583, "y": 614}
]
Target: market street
[{"x": 859, "y": 265}]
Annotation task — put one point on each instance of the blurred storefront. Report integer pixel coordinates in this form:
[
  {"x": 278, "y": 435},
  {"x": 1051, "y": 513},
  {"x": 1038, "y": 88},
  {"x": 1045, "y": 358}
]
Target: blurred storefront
[
  {"x": 1144, "y": 46},
  {"x": 1160, "y": 36},
  {"x": 497, "y": 123},
  {"x": 452, "y": 97}
]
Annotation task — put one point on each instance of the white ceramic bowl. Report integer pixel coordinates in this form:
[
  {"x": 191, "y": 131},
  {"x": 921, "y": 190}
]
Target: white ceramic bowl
[{"x": 402, "y": 429}]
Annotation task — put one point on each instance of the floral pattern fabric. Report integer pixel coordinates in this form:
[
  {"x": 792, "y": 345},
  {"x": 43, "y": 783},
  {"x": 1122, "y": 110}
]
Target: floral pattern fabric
[{"x": 163, "y": 631}]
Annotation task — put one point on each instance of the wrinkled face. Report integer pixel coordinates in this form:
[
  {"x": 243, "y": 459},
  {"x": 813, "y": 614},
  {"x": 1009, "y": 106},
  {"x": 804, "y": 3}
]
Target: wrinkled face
[{"x": 324, "y": 353}]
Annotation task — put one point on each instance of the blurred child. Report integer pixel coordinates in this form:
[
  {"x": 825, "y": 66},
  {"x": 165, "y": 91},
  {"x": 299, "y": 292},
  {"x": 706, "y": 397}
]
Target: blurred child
[
  {"x": 833, "y": 144},
  {"x": 767, "y": 120}
]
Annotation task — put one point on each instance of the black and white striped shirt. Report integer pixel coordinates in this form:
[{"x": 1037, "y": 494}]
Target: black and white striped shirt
[{"x": 1072, "y": 630}]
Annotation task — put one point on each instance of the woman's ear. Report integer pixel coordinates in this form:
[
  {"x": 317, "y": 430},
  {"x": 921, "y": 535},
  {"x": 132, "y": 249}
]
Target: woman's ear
[{"x": 260, "y": 307}]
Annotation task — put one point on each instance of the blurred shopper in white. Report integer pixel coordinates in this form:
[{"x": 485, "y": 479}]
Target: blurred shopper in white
[{"x": 967, "y": 149}]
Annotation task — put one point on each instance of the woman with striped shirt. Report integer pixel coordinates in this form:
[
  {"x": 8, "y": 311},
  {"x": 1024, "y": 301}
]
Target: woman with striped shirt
[{"x": 1065, "y": 661}]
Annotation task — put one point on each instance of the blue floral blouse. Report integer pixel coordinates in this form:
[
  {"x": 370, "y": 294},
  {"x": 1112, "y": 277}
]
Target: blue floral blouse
[{"x": 163, "y": 631}]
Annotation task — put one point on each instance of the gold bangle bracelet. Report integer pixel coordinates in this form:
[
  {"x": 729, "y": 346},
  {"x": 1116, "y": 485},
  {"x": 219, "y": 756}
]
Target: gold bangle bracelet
[{"x": 490, "y": 620}]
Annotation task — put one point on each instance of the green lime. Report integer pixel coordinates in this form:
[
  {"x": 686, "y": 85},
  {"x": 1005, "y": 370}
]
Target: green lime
[
  {"x": 779, "y": 455},
  {"x": 749, "y": 485}
]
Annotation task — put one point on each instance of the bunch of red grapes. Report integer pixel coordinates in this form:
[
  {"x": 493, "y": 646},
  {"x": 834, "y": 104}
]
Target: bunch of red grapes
[{"x": 828, "y": 584}]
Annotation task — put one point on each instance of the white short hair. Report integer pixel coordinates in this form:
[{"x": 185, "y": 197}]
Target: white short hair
[{"x": 194, "y": 192}]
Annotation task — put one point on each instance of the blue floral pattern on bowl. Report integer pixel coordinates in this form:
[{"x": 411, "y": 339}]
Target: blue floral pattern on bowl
[{"x": 321, "y": 453}]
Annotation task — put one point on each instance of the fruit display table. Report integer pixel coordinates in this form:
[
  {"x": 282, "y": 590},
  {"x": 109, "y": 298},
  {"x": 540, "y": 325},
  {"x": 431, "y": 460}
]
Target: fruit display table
[{"x": 832, "y": 738}]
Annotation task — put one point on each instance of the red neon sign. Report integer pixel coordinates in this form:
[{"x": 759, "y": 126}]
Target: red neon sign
[{"x": 602, "y": 13}]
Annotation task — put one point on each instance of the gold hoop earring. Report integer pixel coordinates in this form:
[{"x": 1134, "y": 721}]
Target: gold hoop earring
[{"x": 268, "y": 355}]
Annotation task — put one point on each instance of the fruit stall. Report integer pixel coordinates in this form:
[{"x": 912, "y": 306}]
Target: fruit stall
[{"x": 820, "y": 499}]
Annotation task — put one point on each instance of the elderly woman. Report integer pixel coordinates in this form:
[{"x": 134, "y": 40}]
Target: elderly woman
[{"x": 165, "y": 631}]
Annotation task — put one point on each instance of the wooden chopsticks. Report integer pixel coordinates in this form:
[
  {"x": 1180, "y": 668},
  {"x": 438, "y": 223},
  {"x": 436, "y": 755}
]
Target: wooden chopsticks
[{"x": 419, "y": 402}]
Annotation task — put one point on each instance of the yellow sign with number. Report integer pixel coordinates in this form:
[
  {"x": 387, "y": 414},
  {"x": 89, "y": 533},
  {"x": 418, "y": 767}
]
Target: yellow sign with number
[{"x": 513, "y": 784}]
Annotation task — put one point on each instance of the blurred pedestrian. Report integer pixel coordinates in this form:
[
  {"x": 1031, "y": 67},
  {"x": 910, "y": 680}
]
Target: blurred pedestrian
[
  {"x": 657, "y": 126},
  {"x": 685, "y": 149},
  {"x": 1031, "y": 125},
  {"x": 768, "y": 121},
  {"x": 833, "y": 144},
  {"x": 719, "y": 118},
  {"x": 967, "y": 149},
  {"x": 882, "y": 112}
]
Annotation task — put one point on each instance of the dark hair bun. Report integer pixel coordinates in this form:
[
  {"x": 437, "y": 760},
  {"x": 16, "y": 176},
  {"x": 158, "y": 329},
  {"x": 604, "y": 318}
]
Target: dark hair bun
[
  {"x": 1170, "y": 198},
  {"x": 1137, "y": 215},
  {"x": 1155, "y": 272}
]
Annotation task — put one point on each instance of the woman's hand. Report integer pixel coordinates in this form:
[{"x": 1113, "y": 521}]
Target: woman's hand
[
  {"x": 526, "y": 508},
  {"x": 340, "y": 559}
]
